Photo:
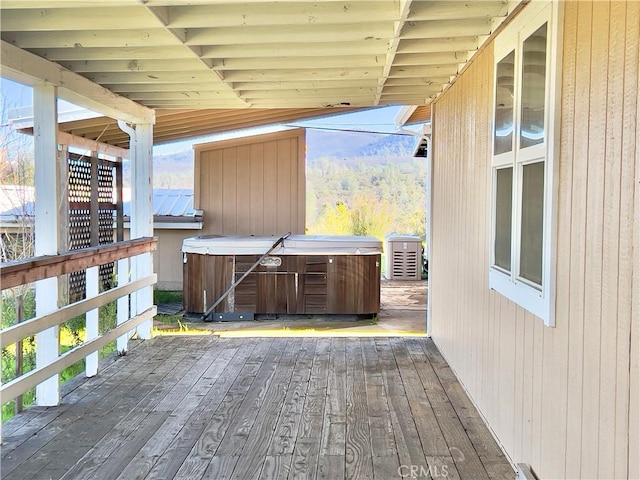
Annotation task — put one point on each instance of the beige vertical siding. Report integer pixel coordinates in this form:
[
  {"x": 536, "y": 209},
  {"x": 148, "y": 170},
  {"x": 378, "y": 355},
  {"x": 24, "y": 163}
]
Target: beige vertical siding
[
  {"x": 167, "y": 259},
  {"x": 252, "y": 186},
  {"x": 564, "y": 399}
]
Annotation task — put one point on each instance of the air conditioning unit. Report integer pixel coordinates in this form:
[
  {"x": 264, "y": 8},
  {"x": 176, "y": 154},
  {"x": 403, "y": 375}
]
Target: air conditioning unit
[{"x": 404, "y": 257}]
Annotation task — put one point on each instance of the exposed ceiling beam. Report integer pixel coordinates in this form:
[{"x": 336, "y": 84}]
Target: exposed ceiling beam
[
  {"x": 180, "y": 34},
  {"x": 65, "y": 138},
  {"x": 123, "y": 88},
  {"x": 36, "y": 4},
  {"x": 352, "y": 61},
  {"x": 448, "y": 10},
  {"x": 292, "y": 34},
  {"x": 99, "y": 18},
  {"x": 302, "y": 74},
  {"x": 462, "y": 27},
  {"x": 26, "y": 68},
  {"x": 219, "y": 96},
  {"x": 193, "y": 76},
  {"x": 306, "y": 85},
  {"x": 297, "y": 49},
  {"x": 249, "y": 14},
  {"x": 133, "y": 53},
  {"x": 432, "y": 45},
  {"x": 421, "y": 81},
  {"x": 322, "y": 93},
  {"x": 436, "y": 58},
  {"x": 412, "y": 90},
  {"x": 424, "y": 71},
  {"x": 177, "y": 65},
  {"x": 143, "y": 37},
  {"x": 405, "y": 7},
  {"x": 307, "y": 103}
]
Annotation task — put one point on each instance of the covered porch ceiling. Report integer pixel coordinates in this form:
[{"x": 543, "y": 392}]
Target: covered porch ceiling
[{"x": 222, "y": 55}]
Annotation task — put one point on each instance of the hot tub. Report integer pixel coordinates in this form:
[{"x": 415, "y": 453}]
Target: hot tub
[{"x": 306, "y": 274}]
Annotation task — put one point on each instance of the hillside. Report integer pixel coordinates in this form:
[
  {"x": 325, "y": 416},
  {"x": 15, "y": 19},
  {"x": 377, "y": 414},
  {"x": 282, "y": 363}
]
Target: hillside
[
  {"x": 361, "y": 183},
  {"x": 348, "y": 145}
]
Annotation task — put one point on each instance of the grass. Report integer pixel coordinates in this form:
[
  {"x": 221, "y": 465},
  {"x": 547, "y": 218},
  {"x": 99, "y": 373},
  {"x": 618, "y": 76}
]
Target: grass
[{"x": 166, "y": 296}]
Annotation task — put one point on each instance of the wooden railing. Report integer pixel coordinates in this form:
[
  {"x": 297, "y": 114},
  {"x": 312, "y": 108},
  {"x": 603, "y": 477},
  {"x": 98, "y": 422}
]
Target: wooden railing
[{"x": 13, "y": 274}]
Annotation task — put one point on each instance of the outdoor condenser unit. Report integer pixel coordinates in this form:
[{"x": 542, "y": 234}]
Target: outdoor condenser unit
[{"x": 404, "y": 254}]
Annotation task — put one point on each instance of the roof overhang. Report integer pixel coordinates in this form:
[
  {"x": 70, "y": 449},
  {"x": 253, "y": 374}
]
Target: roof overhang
[
  {"x": 176, "y": 125},
  {"x": 206, "y": 59}
]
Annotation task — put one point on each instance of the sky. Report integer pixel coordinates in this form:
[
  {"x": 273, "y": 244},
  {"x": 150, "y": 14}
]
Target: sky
[{"x": 372, "y": 120}]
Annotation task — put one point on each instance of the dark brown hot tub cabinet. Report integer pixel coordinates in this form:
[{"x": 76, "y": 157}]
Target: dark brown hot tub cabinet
[{"x": 307, "y": 275}]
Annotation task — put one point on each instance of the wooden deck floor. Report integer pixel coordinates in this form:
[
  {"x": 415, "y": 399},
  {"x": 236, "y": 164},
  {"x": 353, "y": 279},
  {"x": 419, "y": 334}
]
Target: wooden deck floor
[{"x": 296, "y": 408}]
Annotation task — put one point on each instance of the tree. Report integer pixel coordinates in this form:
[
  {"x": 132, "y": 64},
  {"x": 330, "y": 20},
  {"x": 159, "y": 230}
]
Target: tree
[
  {"x": 16, "y": 192},
  {"x": 333, "y": 219},
  {"x": 371, "y": 216}
]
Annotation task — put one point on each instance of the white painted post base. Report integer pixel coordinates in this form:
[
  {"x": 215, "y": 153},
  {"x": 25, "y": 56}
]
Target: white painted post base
[
  {"x": 92, "y": 320},
  {"x": 144, "y": 296},
  {"x": 124, "y": 273},
  {"x": 47, "y": 342}
]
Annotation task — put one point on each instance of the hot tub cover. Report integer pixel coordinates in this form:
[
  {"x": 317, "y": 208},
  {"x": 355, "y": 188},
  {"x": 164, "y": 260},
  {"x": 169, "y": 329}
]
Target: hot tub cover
[{"x": 293, "y": 245}]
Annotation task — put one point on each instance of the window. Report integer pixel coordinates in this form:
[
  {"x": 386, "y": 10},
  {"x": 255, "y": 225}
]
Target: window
[{"x": 523, "y": 163}]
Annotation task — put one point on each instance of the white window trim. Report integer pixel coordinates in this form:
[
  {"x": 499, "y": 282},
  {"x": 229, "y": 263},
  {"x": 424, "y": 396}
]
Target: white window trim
[{"x": 541, "y": 303}]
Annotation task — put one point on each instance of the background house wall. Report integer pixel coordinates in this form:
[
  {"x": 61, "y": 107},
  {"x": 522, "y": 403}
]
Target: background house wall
[
  {"x": 253, "y": 185},
  {"x": 563, "y": 400},
  {"x": 167, "y": 259}
]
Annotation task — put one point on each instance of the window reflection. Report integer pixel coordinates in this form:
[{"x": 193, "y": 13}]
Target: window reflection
[
  {"x": 532, "y": 222},
  {"x": 503, "y": 137},
  {"x": 502, "y": 253},
  {"x": 534, "y": 61}
]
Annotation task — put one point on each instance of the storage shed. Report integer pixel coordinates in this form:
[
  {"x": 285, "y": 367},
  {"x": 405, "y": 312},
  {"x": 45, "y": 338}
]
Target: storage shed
[{"x": 253, "y": 185}]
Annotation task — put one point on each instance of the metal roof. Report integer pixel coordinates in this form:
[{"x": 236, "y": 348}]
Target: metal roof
[
  {"x": 18, "y": 201},
  {"x": 167, "y": 202}
]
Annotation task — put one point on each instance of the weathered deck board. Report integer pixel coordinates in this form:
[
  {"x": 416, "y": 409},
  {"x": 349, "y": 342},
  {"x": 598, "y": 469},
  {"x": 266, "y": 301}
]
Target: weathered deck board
[
  {"x": 307, "y": 448},
  {"x": 72, "y": 425},
  {"x": 359, "y": 463},
  {"x": 286, "y": 408}
]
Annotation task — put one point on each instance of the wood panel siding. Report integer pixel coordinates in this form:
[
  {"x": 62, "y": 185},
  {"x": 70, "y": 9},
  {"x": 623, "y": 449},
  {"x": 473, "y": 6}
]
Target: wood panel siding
[
  {"x": 563, "y": 400},
  {"x": 301, "y": 284},
  {"x": 253, "y": 185}
]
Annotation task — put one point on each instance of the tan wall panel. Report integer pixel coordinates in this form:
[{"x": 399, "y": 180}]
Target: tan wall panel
[
  {"x": 563, "y": 399},
  {"x": 256, "y": 173},
  {"x": 167, "y": 259},
  {"x": 629, "y": 288},
  {"x": 243, "y": 192},
  {"x": 252, "y": 186}
]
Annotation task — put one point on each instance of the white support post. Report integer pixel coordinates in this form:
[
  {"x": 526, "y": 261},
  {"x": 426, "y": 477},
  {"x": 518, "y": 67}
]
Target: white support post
[
  {"x": 48, "y": 187},
  {"x": 91, "y": 319},
  {"x": 142, "y": 216},
  {"x": 122, "y": 344}
]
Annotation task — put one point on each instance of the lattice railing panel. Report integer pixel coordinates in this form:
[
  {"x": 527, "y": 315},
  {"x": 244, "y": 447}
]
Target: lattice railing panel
[{"x": 82, "y": 190}]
